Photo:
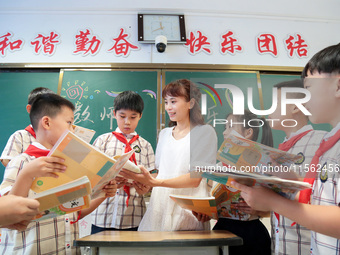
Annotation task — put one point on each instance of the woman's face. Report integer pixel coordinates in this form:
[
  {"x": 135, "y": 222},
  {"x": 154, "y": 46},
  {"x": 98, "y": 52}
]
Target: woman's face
[{"x": 177, "y": 108}]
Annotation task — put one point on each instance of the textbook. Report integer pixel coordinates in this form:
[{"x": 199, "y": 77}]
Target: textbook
[
  {"x": 205, "y": 205},
  {"x": 225, "y": 200},
  {"x": 245, "y": 155},
  {"x": 84, "y": 133},
  {"x": 64, "y": 199},
  {"x": 222, "y": 203},
  {"x": 81, "y": 159}
]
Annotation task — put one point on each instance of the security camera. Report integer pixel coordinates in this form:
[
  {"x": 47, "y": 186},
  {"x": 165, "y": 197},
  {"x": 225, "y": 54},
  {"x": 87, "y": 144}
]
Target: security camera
[{"x": 161, "y": 42}]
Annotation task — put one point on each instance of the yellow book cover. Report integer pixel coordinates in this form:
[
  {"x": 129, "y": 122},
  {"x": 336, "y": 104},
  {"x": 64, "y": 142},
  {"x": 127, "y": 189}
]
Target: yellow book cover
[
  {"x": 205, "y": 205},
  {"x": 81, "y": 159},
  {"x": 64, "y": 199}
]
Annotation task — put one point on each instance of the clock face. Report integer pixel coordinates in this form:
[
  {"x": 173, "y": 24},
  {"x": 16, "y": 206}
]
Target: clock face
[{"x": 167, "y": 25}]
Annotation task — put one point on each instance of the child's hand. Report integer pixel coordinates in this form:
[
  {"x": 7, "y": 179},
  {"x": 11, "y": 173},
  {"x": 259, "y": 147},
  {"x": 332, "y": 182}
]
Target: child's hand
[
  {"x": 14, "y": 209},
  {"x": 201, "y": 217},
  {"x": 245, "y": 208},
  {"x": 257, "y": 197},
  {"x": 44, "y": 167},
  {"x": 20, "y": 226},
  {"x": 141, "y": 188},
  {"x": 145, "y": 177},
  {"x": 110, "y": 189},
  {"x": 120, "y": 181}
]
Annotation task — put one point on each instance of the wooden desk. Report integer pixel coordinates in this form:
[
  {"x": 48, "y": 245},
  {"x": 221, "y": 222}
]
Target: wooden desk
[{"x": 176, "y": 242}]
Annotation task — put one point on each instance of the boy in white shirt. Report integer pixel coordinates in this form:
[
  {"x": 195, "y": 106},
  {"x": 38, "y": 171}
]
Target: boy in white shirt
[
  {"x": 51, "y": 115},
  {"x": 287, "y": 236},
  {"x": 322, "y": 215},
  {"x": 127, "y": 208}
]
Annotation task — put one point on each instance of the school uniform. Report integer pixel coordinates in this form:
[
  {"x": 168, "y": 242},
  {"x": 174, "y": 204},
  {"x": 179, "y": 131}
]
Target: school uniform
[
  {"x": 121, "y": 212},
  {"x": 287, "y": 236},
  {"x": 18, "y": 142},
  {"x": 50, "y": 236},
  {"x": 326, "y": 191}
]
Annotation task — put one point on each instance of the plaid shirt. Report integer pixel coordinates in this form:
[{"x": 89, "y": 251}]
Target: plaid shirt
[
  {"x": 17, "y": 144},
  {"x": 50, "y": 236},
  {"x": 326, "y": 192},
  {"x": 113, "y": 212},
  {"x": 288, "y": 239}
]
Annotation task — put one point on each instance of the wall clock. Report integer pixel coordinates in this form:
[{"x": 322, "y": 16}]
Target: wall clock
[{"x": 170, "y": 25}]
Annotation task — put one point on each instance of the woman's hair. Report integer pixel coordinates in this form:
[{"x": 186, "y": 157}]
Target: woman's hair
[
  {"x": 187, "y": 89},
  {"x": 267, "y": 137}
]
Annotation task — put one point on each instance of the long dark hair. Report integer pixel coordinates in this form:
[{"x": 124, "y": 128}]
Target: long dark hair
[
  {"x": 187, "y": 89},
  {"x": 267, "y": 137}
]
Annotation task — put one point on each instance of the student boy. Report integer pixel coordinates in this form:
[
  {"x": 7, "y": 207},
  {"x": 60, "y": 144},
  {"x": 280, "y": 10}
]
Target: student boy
[
  {"x": 51, "y": 115},
  {"x": 287, "y": 236},
  {"x": 21, "y": 139},
  {"x": 322, "y": 215},
  {"x": 126, "y": 209}
]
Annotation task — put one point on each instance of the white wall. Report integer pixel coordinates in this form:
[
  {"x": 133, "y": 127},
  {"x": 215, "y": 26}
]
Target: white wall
[{"x": 316, "y": 21}]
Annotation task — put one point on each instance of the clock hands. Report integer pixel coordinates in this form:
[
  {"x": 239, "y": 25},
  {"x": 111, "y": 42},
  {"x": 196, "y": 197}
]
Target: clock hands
[{"x": 160, "y": 28}]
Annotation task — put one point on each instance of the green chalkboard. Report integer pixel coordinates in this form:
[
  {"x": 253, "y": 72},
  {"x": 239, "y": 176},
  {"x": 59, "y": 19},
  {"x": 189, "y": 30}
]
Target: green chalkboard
[
  {"x": 215, "y": 108},
  {"x": 15, "y": 86},
  {"x": 93, "y": 93},
  {"x": 267, "y": 83}
]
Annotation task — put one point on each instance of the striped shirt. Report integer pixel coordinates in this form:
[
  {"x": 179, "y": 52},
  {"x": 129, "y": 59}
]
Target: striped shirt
[
  {"x": 113, "y": 212},
  {"x": 50, "y": 236},
  {"x": 17, "y": 144},
  {"x": 326, "y": 191},
  {"x": 288, "y": 239}
]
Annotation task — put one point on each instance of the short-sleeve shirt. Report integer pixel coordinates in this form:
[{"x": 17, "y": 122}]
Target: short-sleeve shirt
[
  {"x": 288, "y": 239},
  {"x": 17, "y": 144},
  {"x": 113, "y": 212},
  {"x": 326, "y": 191}
]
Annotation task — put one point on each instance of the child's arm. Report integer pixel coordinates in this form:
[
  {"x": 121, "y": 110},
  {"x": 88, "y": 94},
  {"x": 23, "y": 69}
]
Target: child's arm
[
  {"x": 110, "y": 190},
  {"x": 14, "y": 209},
  {"x": 263, "y": 199},
  {"x": 183, "y": 181},
  {"x": 40, "y": 167}
]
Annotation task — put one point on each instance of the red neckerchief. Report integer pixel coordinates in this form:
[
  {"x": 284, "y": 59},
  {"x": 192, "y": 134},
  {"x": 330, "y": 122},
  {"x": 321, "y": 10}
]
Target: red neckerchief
[
  {"x": 30, "y": 130},
  {"x": 35, "y": 151},
  {"x": 285, "y": 146},
  {"x": 128, "y": 148}
]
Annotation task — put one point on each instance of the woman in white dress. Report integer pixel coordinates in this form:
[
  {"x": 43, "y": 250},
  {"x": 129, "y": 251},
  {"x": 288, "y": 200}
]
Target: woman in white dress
[{"x": 187, "y": 143}]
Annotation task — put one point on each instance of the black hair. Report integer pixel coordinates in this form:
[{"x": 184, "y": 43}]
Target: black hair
[
  {"x": 36, "y": 92},
  {"x": 325, "y": 61},
  {"x": 47, "y": 105},
  {"x": 267, "y": 137},
  {"x": 187, "y": 89},
  {"x": 129, "y": 100},
  {"x": 297, "y": 83}
]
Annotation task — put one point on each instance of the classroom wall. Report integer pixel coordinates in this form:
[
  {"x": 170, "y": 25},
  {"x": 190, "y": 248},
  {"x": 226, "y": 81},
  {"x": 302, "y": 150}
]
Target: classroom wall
[{"x": 317, "y": 25}]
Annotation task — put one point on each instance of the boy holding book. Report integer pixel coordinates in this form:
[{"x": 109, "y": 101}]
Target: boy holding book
[
  {"x": 287, "y": 236},
  {"x": 21, "y": 139},
  {"x": 126, "y": 209},
  {"x": 51, "y": 115},
  {"x": 319, "y": 212}
]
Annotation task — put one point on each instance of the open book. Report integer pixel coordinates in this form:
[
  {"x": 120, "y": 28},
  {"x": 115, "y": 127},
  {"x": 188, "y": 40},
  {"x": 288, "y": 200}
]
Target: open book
[
  {"x": 70, "y": 197},
  {"x": 245, "y": 155},
  {"x": 222, "y": 203},
  {"x": 84, "y": 133},
  {"x": 262, "y": 165},
  {"x": 81, "y": 159}
]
